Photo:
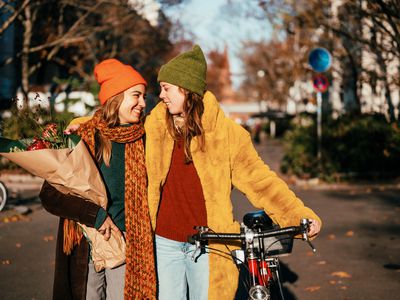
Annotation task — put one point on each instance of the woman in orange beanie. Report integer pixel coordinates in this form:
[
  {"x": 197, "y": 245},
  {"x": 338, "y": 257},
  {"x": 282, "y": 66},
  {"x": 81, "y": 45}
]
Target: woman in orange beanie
[{"x": 114, "y": 137}]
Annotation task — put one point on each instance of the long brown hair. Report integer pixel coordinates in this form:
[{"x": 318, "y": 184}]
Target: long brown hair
[
  {"x": 109, "y": 113},
  {"x": 193, "y": 109}
]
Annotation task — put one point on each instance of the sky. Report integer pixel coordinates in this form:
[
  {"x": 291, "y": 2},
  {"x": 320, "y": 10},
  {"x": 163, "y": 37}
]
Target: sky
[{"x": 214, "y": 25}]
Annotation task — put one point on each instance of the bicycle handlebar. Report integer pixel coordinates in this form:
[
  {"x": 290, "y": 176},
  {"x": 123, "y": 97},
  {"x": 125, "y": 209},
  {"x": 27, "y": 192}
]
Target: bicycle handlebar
[{"x": 204, "y": 234}]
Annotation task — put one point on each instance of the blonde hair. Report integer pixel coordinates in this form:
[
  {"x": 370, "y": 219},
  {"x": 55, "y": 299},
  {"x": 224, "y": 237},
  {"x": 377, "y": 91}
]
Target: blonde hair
[
  {"x": 193, "y": 109},
  {"x": 109, "y": 113}
]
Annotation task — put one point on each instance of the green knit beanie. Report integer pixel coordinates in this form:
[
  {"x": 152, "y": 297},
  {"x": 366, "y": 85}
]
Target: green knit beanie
[{"x": 187, "y": 70}]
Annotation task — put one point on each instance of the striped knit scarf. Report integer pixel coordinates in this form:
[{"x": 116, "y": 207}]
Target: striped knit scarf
[{"x": 140, "y": 275}]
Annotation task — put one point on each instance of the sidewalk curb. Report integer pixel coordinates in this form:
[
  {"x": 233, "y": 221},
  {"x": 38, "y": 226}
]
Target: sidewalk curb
[{"x": 314, "y": 184}]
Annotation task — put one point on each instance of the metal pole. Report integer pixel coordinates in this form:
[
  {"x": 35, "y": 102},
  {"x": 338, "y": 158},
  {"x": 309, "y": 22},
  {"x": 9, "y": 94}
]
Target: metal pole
[
  {"x": 319, "y": 124},
  {"x": 272, "y": 128}
]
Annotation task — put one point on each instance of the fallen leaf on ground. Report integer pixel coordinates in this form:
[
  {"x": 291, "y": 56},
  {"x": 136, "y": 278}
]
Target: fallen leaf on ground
[
  {"x": 350, "y": 233},
  {"x": 343, "y": 287},
  {"x": 321, "y": 262},
  {"x": 48, "y": 238},
  {"x": 5, "y": 262},
  {"x": 18, "y": 245},
  {"x": 341, "y": 274},
  {"x": 291, "y": 181},
  {"x": 331, "y": 237},
  {"x": 333, "y": 282},
  {"x": 310, "y": 253},
  {"x": 14, "y": 218},
  {"x": 312, "y": 289}
]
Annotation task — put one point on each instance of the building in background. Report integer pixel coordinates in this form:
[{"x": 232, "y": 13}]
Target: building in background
[{"x": 363, "y": 75}]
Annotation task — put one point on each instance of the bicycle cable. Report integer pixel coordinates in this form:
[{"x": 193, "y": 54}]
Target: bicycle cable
[
  {"x": 246, "y": 283},
  {"x": 278, "y": 240},
  {"x": 230, "y": 254}
]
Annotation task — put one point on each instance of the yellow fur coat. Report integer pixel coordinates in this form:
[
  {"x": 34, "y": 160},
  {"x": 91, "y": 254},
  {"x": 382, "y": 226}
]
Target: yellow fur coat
[{"x": 229, "y": 160}]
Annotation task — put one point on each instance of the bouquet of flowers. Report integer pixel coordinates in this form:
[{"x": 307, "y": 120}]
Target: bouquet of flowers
[{"x": 65, "y": 163}]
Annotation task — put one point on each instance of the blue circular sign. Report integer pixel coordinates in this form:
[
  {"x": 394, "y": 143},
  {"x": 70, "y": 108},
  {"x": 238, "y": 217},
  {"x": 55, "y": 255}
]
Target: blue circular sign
[{"x": 320, "y": 59}]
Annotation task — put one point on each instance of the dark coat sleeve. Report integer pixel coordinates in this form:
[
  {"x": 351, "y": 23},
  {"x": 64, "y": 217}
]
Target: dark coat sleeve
[{"x": 68, "y": 206}]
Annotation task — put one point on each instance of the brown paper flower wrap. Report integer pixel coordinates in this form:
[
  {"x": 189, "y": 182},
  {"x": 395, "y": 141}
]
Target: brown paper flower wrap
[{"x": 73, "y": 171}]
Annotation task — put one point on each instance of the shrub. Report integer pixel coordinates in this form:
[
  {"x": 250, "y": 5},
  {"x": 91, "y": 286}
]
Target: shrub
[
  {"x": 364, "y": 146},
  {"x": 300, "y": 146}
]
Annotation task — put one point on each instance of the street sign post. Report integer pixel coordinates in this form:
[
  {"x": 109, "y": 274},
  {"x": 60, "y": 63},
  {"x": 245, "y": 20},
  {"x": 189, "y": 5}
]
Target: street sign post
[{"x": 320, "y": 61}]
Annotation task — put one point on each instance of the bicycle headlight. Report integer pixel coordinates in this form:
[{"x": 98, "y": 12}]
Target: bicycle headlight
[{"x": 259, "y": 292}]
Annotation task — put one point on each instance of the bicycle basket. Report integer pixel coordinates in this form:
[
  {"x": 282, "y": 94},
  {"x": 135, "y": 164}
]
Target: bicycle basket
[
  {"x": 274, "y": 246},
  {"x": 278, "y": 246}
]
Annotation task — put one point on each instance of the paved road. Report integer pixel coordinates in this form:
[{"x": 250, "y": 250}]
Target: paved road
[
  {"x": 27, "y": 257},
  {"x": 358, "y": 250}
]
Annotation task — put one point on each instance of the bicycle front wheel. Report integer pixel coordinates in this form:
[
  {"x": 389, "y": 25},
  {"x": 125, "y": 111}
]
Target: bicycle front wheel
[
  {"x": 3, "y": 195},
  {"x": 276, "y": 288}
]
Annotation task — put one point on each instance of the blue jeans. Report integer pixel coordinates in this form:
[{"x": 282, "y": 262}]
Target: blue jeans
[{"x": 176, "y": 271}]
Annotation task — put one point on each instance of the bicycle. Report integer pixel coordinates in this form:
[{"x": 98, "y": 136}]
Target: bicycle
[
  {"x": 261, "y": 261},
  {"x": 3, "y": 195}
]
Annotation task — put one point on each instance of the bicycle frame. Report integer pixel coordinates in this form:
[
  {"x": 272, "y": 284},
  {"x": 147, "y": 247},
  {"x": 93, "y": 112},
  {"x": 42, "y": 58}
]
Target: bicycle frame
[{"x": 263, "y": 270}]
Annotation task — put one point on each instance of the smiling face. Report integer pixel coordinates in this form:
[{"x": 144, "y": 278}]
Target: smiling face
[
  {"x": 173, "y": 97},
  {"x": 133, "y": 105}
]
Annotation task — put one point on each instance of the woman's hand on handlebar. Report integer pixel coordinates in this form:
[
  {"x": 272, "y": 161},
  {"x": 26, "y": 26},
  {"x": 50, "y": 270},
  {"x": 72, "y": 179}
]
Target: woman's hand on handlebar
[{"x": 315, "y": 228}]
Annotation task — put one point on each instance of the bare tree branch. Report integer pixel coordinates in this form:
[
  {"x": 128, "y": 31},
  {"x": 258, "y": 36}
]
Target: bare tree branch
[{"x": 15, "y": 14}]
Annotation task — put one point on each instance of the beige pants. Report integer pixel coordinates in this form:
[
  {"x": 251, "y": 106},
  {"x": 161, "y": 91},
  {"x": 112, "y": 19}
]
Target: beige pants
[{"x": 106, "y": 284}]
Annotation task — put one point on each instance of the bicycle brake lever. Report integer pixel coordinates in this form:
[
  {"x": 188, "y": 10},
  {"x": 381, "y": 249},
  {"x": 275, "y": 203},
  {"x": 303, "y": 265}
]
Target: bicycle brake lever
[
  {"x": 305, "y": 238},
  {"x": 305, "y": 224},
  {"x": 197, "y": 242},
  {"x": 311, "y": 245},
  {"x": 198, "y": 246}
]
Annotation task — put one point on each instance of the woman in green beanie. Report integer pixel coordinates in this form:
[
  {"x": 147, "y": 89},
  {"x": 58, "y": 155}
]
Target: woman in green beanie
[{"x": 194, "y": 155}]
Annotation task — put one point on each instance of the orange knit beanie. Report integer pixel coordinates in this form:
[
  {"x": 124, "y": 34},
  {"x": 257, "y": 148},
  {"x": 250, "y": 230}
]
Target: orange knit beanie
[{"x": 115, "y": 77}]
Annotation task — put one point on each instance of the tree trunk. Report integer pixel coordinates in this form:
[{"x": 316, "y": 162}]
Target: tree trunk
[
  {"x": 397, "y": 89},
  {"x": 383, "y": 68},
  {"x": 355, "y": 77},
  {"x": 27, "y": 24},
  {"x": 389, "y": 101}
]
